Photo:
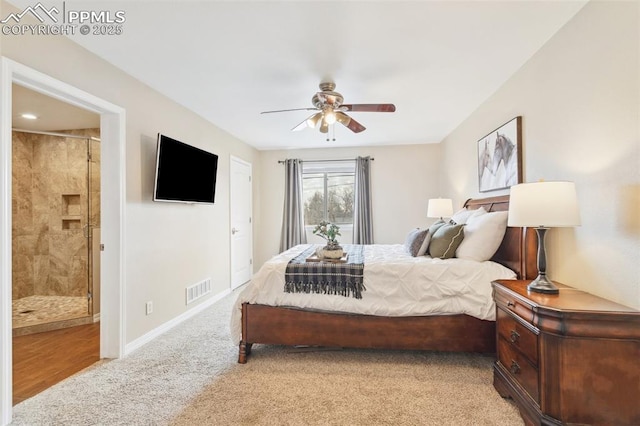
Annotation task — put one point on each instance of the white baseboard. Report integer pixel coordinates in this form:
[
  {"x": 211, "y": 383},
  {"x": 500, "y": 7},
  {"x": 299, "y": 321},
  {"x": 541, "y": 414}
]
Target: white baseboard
[{"x": 146, "y": 338}]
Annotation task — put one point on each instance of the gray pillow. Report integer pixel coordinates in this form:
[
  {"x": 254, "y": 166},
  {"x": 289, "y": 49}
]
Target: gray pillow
[
  {"x": 445, "y": 241},
  {"x": 414, "y": 241},
  {"x": 424, "y": 248}
]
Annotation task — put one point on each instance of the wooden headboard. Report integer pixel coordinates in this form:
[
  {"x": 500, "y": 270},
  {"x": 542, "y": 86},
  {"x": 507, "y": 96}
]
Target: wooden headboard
[{"x": 519, "y": 247}]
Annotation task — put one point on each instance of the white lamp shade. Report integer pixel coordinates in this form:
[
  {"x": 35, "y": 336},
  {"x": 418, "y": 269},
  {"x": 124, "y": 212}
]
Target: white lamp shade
[
  {"x": 544, "y": 204},
  {"x": 440, "y": 207}
]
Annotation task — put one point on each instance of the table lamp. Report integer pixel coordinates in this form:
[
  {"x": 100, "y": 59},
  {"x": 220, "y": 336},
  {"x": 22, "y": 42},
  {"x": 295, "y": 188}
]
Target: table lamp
[
  {"x": 543, "y": 205},
  {"x": 440, "y": 207}
]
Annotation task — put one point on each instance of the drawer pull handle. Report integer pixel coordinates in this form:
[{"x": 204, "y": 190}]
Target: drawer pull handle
[
  {"x": 510, "y": 304},
  {"x": 515, "y": 367},
  {"x": 515, "y": 336}
]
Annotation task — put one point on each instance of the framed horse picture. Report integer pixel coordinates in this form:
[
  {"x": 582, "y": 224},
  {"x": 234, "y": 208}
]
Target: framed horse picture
[{"x": 500, "y": 157}]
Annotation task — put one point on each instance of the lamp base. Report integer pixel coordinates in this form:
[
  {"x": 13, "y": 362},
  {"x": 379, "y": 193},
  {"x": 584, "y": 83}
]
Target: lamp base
[{"x": 542, "y": 285}]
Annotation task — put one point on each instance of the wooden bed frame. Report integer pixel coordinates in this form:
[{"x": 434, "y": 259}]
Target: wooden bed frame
[{"x": 457, "y": 333}]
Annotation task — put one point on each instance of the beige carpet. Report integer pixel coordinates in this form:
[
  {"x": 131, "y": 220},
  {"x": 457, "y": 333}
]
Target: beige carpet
[
  {"x": 189, "y": 376},
  {"x": 279, "y": 387}
]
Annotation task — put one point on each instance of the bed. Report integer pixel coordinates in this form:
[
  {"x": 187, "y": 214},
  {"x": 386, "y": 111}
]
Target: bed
[{"x": 272, "y": 323}]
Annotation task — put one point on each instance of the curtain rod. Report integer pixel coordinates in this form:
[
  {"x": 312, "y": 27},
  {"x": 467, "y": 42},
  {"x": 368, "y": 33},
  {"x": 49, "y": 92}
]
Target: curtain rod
[{"x": 324, "y": 161}]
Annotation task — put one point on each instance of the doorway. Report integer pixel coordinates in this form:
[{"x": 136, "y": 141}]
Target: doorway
[
  {"x": 113, "y": 214},
  {"x": 55, "y": 213},
  {"x": 56, "y": 219}
]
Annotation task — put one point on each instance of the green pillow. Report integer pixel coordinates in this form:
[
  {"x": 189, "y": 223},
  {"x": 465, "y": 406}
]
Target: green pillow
[{"x": 445, "y": 241}]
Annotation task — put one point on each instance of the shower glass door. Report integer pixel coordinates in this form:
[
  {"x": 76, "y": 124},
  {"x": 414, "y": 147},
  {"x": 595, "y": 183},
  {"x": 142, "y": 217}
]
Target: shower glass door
[{"x": 52, "y": 227}]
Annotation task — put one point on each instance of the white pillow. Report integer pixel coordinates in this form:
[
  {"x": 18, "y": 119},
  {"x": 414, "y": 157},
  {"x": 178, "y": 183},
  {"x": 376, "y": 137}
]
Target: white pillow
[
  {"x": 478, "y": 212},
  {"x": 462, "y": 216},
  {"x": 482, "y": 236},
  {"x": 425, "y": 245},
  {"x": 424, "y": 248}
]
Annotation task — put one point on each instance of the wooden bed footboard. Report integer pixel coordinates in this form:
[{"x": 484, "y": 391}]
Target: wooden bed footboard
[{"x": 290, "y": 326}]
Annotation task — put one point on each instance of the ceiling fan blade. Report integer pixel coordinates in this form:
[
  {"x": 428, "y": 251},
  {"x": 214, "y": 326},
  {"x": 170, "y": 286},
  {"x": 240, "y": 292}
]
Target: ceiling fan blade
[
  {"x": 370, "y": 107},
  {"x": 350, "y": 123},
  {"x": 301, "y": 126},
  {"x": 287, "y": 110}
]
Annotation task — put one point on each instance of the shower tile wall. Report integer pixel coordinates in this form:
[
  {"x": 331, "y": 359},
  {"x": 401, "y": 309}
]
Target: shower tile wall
[
  {"x": 49, "y": 209},
  {"x": 23, "y": 235}
]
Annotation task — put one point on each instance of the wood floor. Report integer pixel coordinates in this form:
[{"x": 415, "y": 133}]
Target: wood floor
[{"x": 43, "y": 359}]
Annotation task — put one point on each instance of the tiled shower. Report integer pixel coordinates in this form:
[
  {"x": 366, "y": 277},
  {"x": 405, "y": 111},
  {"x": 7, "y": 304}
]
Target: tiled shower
[{"x": 55, "y": 229}]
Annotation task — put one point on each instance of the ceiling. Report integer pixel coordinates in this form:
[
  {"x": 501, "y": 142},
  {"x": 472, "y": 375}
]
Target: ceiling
[
  {"x": 227, "y": 61},
  {"x": 52, "y": 114}
]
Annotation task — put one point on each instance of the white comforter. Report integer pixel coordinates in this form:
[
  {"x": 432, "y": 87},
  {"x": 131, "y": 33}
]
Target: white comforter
[{"x": 396, "y": 285}]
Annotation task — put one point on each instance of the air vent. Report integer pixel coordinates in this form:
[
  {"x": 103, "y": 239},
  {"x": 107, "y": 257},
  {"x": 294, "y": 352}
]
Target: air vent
[{"x": 198, "y": 290}]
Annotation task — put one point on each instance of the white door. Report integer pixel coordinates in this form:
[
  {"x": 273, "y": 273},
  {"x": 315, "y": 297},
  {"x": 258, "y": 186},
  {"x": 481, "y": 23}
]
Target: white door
[{"x": 241, "y": 223}]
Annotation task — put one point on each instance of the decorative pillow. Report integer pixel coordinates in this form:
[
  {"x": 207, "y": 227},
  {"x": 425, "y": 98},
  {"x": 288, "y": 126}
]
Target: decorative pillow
[
  {"x": 427, "y": 239},
  {"x": 414, "y": 240},
  {"x": 446, "y": 240},
  {"x": 461, "y": 216},
  {"x": 477, "y": 212},
  {"x": 482, "y": 236}
]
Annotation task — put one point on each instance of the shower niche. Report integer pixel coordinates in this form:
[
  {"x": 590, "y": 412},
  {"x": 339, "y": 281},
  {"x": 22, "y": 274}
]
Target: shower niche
[{"x": 71, "y": 211}]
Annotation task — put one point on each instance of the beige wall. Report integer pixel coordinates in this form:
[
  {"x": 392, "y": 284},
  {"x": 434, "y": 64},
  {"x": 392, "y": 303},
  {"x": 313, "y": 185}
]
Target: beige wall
[
  {"x": 2, "y": 10},
  {"x": 168, "y": 246},
  {"x": 403, "y": 178},
  {"x": 579, "y": 98}
]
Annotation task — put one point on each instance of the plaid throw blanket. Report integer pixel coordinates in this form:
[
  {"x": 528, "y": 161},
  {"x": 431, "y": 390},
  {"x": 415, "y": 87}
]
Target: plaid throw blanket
[{"x": 345, "y": 279}]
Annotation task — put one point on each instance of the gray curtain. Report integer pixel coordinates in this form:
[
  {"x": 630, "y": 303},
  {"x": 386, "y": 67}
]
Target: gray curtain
[
  {"x": 362, "y": 221},
  {"x": 293, "y": 232}
]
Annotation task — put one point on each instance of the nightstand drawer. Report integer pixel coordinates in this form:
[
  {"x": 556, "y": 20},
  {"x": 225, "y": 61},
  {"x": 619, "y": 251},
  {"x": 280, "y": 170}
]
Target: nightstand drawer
[
  {"x": 519, "y": 367},
  {"x": 518, "y": 335},
  {"x": 509, "y": 302}
]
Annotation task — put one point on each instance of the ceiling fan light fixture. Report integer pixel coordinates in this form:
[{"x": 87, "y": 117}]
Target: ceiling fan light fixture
[
  {"x": 313, "y": 120},
  {"x": 329, "y": 116},
  {"x": 343, "y": 118}
]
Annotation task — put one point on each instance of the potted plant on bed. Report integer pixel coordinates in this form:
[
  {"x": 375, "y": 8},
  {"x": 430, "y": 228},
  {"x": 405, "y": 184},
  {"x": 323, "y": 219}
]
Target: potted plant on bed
[{"x": 329, "y": 231}]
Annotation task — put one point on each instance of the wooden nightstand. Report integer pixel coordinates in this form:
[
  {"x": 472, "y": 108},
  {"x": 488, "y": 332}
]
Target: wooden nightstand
[{"x": 570, "y": 358}]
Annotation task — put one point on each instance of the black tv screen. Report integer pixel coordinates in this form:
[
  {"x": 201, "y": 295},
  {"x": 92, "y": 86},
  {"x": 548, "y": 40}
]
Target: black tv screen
[{"x": 184, "y": 173}]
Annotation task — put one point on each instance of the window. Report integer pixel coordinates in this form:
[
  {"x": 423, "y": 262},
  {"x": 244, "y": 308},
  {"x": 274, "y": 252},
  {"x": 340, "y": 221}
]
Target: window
[{"x": 327, "y": 192}]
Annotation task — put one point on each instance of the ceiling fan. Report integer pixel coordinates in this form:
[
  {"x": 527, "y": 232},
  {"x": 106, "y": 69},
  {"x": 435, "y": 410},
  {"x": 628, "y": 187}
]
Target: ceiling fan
[{"x": 330, "y": 110}]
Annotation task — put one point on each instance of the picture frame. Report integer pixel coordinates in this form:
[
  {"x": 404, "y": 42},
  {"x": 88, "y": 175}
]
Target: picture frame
[{"x": 500, "y": 157}]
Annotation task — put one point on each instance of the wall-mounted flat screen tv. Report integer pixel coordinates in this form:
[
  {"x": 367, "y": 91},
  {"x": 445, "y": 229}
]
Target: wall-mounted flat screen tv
[{"x": 184, "y": 173}]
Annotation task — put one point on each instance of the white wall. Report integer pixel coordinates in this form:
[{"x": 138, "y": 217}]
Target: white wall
[
  {"x": 403, "y": 178},
  {"x": 168, "y": 246},
  {"x": 579, "y": 97}
]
